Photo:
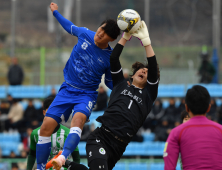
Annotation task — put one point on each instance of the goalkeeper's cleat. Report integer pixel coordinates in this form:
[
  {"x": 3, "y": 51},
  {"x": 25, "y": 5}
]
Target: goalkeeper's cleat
[
  {"x": 49, "y": 164},
  {"x": 58, "y": 162}
]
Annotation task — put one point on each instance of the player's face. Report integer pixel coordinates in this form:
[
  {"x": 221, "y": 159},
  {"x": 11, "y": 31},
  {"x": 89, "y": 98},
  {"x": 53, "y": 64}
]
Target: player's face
[
  {"x": 101, "y": 37},
  {"x": 140, "y": 77},
  {"x": 186, "y": 119}
]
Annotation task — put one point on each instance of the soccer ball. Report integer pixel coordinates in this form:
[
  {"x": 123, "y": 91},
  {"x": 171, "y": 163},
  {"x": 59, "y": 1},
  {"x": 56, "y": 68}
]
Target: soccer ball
[{"x": 128, "y": 20}]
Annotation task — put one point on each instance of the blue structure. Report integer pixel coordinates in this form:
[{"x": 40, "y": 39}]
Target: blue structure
[{"x": 215, "y": 62}]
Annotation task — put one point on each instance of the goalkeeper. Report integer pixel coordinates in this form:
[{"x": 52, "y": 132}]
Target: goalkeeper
[
  {"x": 128, "y": 107},
  {"x": 58, "y": 138}
]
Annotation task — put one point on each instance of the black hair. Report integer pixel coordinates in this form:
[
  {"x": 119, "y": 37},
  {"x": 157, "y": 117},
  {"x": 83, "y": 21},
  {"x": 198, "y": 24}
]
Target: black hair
[
  {"x": 14, "y": 165},
  {"x": 30, "y": 100},
  {"x": 111, "y": 28},
  {"x": 15, "y": 100},
  {"x": 197, "y": 100},
  {"x": 183, "y": 115},
  {"x": 137, "y": 65},
  {"x": 47, "y": 102}
]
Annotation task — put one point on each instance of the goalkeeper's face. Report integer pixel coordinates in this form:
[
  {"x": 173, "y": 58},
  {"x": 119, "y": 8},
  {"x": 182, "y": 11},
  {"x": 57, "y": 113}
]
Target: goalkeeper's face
[
  {"x": 140, "y": 78},
  {"x": 101, "y": 37}
]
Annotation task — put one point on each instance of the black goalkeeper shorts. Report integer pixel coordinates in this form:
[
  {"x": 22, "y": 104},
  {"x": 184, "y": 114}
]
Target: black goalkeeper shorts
[{"x": 101, "y": 145}]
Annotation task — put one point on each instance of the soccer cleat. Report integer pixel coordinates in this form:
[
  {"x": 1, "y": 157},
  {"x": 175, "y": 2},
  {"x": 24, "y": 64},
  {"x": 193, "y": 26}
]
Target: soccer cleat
[
  {"x": 49, "y": 164},
  {"x": 58, "y": 162}
]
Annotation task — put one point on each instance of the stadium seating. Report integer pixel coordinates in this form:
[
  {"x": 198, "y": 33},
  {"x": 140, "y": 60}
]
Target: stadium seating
[
  {"x": 157, "y": 166},
  {"x": 140, "y": 166},
  {"x": 9, "y": 142},
  {"x": 160, "y": 166},
  {"x": 164, "y": 90},
  {"x": 37, "y": 104},
  {"x": 3, "y": 92},
  {"x": 120, "y": 166},
  {"x": 215, "y": 90},
  {"x": 135, "y": 148},
  {"x": 82, "y": 148},
  {"x": 172, "y": 90},
  {"x": 148, "y": 136}
]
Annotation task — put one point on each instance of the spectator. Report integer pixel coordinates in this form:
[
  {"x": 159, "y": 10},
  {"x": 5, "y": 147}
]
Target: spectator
[
  {"x": 181, "y": 107},
  {"x": 23, "y": 154},
  {"x": 15, "y": 114},
  {"x": 26, "y": 139},
  {"x": 153, "y": 119},
  {"x": 9, "y": 99},
  {"x": 171, "y": 114},
  {"x": 15, "y": 73},
  {"x": 206, "y": 70},
  {"x": 184, "y": 116},
  {"x": 102, "y": 100},
  {"x": 12, "y": 155},
  {"x": 15, "y": 166},
  {"x": 220, "y": 115},
  {"x": 40, "y": 116},
  {"x": 4, "y": 109},
  {"x": 4, "y": 106},
  {"x": 53, "y": 93},
  {"x": 31, "y": 115},
  {"x": 212, "y": 114},
  {"x": 162, "y": 131}
]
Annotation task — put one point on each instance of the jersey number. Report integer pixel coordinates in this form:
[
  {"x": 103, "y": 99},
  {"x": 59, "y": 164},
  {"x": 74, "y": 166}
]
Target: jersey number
[
  {"x": 131, "y": 101},
  {"x": 84, "y": 46}
]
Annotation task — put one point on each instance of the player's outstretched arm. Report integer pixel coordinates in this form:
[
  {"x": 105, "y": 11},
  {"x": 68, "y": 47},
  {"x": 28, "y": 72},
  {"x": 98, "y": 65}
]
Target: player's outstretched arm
[
  {"x": 66, "y": 24},
  {"x": 153, "y": 78},
  {"x": 115, "y": 66}
]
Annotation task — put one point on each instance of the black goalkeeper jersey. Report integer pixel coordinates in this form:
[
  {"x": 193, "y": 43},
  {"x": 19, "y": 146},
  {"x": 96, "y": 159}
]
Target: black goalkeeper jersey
[{"x": 129, "y": 105}]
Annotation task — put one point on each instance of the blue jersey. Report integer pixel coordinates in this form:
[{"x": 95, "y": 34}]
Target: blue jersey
[{"x": 87, "y": 62}]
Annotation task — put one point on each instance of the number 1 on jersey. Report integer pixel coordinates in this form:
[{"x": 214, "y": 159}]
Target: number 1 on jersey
[{"x": 131, "y": 101}]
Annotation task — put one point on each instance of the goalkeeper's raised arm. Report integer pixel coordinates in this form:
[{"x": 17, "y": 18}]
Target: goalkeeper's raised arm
[
  {"x": 153, "y": 70},
  {"x": 115, "y": 66},
  {"x": 65, "y": 23}
]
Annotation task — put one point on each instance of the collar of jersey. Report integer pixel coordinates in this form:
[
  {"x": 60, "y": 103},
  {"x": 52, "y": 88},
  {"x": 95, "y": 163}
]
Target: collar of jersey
[
  {"x": 107, "y": 48},
  {"x": 136, "y": 87}
]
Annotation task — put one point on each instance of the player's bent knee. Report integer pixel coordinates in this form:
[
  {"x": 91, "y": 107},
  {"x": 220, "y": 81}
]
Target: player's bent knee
[
  {"x": 78, "y": 120},
  {"x": 98, "y": 164},
  {"x": 48, "y": 126}
]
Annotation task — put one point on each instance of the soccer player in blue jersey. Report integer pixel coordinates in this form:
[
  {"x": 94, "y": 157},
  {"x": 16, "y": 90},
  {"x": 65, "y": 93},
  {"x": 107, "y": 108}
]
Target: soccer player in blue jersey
[{"x": 88, "y": 61}]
